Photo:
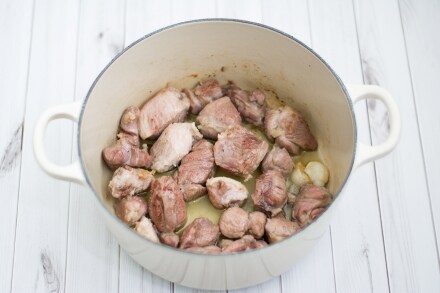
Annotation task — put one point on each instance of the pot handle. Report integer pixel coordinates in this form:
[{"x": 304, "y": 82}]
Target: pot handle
[
  {"x": 366, "y": 153},
  {"x": 72, "y": 172}
]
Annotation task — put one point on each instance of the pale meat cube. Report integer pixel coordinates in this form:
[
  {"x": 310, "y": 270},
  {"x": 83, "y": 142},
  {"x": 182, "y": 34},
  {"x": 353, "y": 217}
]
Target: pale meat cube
[
  {"x": 289, "y": 129},
  {"x": 257, "y": 221},
  {"x": 126, "y": 152},
  {"x": 173, "y": 144},
  {"x": 310, "y": 202},
  {"x": 131, "y": 209},
  {"x": 239, "y": 150},
  {"x": 212, "y": 249},
  {"x": 234, "y": 222},
  {"x": 203, "y": 94},
  {"x": 270, "y": 193},
  {"x": 166, "y": 207},
  {"x": 278, "y": 229},
  {"x": 200, "y": 233},
  {"x": 129, "y": 181},
  {"x": 278, "y": 159},
  {"x": 251, "y": 105},
  {"x": 247, "y": 242},
  {"x": 130, "y": 120},
  {"x": 216, "y": 117},
  {"x": 170, "y": 239},
  {"x": 166, "y": 107},
  {"x": 195, "y": 168},
  {"x": 224, "y": 192}
]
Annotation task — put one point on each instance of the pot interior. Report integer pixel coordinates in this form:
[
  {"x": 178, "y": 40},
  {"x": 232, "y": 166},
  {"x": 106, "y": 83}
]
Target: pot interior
[{"x": 249, "y": 54}]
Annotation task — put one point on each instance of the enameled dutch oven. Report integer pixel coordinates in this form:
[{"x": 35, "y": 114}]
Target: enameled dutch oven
[{"x": 253, "y": 55}]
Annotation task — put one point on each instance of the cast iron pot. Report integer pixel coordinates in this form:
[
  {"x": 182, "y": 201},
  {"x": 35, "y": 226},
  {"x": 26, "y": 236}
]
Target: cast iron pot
[{"x": 253, "y": 55}]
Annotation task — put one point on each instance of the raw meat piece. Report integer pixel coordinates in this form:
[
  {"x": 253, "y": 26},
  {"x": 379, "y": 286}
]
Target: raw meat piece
[
  {"x": 225, "y": 192},
  {"x": 131, "y": 209},
  {"x": 270, "y": 193},
  {"x": 129, "y": 181},
  {"x": 201, "y": 232},
  {"x": 310, "y": 202},
  {"x": 234, "y": 222},
  {"x": 257, "y": 221},
  {"x": 278, "y": 229},
  {"x": 278, "y": 159},
  {"x": 250, "y": 105}
]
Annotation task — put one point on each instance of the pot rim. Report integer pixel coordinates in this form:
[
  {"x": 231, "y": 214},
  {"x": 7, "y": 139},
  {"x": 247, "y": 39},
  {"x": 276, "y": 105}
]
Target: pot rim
[{"x": 336, "y": 195}]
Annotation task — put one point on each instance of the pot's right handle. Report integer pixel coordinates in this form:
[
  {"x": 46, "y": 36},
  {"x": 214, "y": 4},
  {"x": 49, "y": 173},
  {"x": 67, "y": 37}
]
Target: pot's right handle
[{"x": 366, "y": 153}]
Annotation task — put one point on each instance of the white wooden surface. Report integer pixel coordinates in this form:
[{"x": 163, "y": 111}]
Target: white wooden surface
[{"x": 385, "y": 235}]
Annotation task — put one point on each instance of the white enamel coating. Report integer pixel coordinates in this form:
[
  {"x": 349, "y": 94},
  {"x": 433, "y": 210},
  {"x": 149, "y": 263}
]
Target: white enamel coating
[
  {"x": 72, "y": 172},
  {"x": 255, "y": 56},
  {"x": 365, "y": 153}
]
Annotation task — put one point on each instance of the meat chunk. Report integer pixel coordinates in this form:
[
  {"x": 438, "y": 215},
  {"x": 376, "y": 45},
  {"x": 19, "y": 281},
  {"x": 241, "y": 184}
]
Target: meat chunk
[
  {"x": 166, "y": 107},
  {"x": 131, "y": 209},
  {"x": 130, "y": 120},
  {"x": 250, "y": 105},
  {"x": 257, "y": 221},
  {"x": 234, "y": 222},
  {"x": 289, "y": 129},
  {"x": 173, "y": 144},
  {"x": 126, "y": 152},
  {"x": 200, "y": 233},
  {"x": 212, "y": 249},
  {"x": 224, "y": 242},
  {"x": 203, "y": 94},
  {"x": 247, "y": 242},
  {"x": 239, "y": 150},
  {"x": 146, "y": 229},
  {"x": 278, "y": 159},
  {"x": 195, "y": 168},
  {"x": 166, "y": 207},
  {"x": 224, "y": 192},
  {"x": 278, "y": 229},
  {"x": 216, "y": 117},
  {"x": 129, "y": 181},
  {"x": 310, "y": 202},
  {"x": 270, "y": 193},
  {"x": 170, "y": 239}
]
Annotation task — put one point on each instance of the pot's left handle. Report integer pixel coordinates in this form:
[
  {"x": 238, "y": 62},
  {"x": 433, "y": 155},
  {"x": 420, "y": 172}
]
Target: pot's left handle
[{"x": 72, "y": 172}]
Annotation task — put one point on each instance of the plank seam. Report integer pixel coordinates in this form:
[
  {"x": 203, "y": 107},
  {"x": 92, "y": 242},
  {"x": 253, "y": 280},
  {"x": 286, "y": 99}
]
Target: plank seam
[
  {"x": 419, "y": 133},
  {"x": 333, "y": 259},
  {"x": 22, "y": 136}
]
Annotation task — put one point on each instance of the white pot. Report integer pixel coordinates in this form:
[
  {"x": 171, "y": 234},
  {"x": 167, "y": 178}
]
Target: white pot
[{"x": 252, "y": 55}]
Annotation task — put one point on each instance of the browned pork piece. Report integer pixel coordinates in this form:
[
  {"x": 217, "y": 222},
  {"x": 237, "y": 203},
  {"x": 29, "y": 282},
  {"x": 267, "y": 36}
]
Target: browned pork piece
[
  {"x": 239, "y": 150},
  {"x": 225, "y": 192},
  {"x": 257, "y": 221},
  {"x": 247, "y": 242},
  {"x": 130, "y": 120},
  {"x": 212, "y": 249},
  {"x": 310, "y": 202},
  {"x": 195, "y": 168},
  {"x": 126, "y": 152},
  {"x": 249, "y": 104},
  {"x": 166, "y": 206},
  {"x": 129, "y": 181},
  {"x": 200, "y": 233},
  {"x": 278, "y": 159},
  {"x": 146, "y": 229},
  {"x": 289, "y": 129},
  {"x": 203, "y": 94},
  {"x": 131, "y": 209},
  {"x": 170, "y": 239},
  {"x": 216, "y": 117},
  {"x": 174, "y": 143},
  {"x": 270, "y": 193},
  {"x": 278, "y": 229},
  {"x": 234, "y": 222},
  {"x": 166, "y": 107}
]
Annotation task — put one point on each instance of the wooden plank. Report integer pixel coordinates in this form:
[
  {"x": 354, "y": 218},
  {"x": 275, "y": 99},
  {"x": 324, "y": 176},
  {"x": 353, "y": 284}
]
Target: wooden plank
[
  {"x": 41, "y": 232},
  {"x": 359, "y": 258},
  {"x": 142, "y": 17},
  {"x": 412, "y": 258},
  {"x": 92, "y": 252},
  {"x": 421, "y": 26},
  {"x": 15, "y": 29},
  {"x": 292, "y": 17}
]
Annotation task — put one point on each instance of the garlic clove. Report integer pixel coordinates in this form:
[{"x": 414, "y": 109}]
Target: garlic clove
[
  {"x": 299, "y": 176},
  {"x": 317, "y": 172}
]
